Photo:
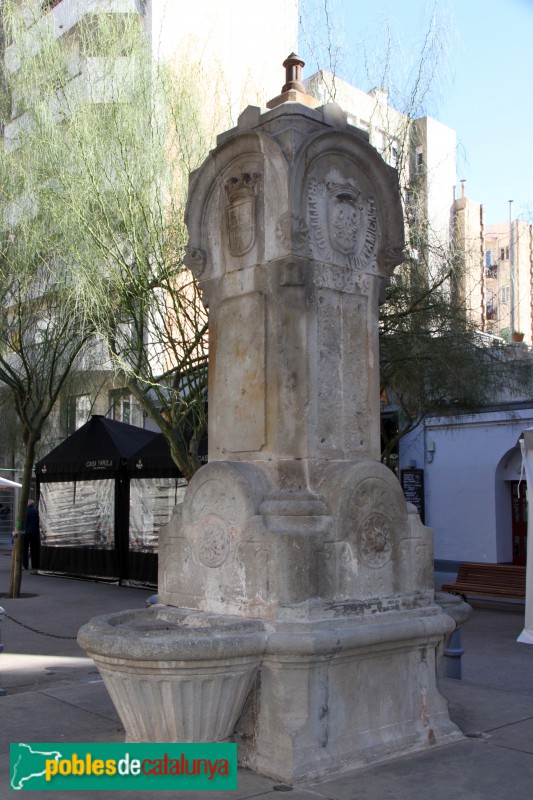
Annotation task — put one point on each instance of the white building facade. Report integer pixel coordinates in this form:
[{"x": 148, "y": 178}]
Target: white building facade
[
  {"x": 464, "y": 472},
  {"x": 240, "y": 45},
  {"x": 474, "y": 488},
  {"x": 236, "y": 51},
  {"x": 423, "y": 150}
]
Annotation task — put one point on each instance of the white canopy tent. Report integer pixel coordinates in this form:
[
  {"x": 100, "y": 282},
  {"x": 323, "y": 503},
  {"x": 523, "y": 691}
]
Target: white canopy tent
[
  {"x": 7, "y": 484},
  {"x": 526, "y": 637}
]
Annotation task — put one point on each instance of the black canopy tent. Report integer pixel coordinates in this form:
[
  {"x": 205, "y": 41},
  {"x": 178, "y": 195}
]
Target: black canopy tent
[{"x": 103, "y": 494}]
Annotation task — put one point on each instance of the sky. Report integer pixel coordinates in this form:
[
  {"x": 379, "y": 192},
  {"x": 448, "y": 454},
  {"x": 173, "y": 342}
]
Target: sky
[{"x": 483, "y": 88}]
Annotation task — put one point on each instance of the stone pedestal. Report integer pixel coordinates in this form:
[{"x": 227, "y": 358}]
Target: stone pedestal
[{"x": 340, "y": 694}]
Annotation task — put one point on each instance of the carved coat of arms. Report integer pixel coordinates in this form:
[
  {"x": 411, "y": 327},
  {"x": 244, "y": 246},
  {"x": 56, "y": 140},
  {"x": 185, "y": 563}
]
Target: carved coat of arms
[
  {"x": 343, "y": 222},
  {"x": 344, "y": 219},
  {"x": 241, "y": 212}
]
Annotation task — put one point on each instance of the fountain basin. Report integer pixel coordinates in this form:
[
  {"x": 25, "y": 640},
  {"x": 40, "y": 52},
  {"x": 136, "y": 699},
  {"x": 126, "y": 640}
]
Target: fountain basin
[{"x": 175, "y": 675}]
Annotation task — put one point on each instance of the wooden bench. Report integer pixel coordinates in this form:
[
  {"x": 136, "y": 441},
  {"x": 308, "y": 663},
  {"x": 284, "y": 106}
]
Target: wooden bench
[{"x": 497, "y": 580}]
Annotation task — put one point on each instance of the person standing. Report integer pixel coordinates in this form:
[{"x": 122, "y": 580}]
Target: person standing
[{"x": 32, "y": 537}]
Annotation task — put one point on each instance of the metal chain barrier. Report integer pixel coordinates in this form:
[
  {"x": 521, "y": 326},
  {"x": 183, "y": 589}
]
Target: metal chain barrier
[{"x": 34, "y": 630}]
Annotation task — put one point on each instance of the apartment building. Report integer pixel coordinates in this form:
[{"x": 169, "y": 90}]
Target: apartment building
[
  {"x": 236, "y": 51},
  {"x": 494, "y": 261},
  {"x": 423, "y": 150},
  {"x": 496, "y": 275},
  {"x": 467, "y": 234},
  {"x": 508, "y": 272},
  {"x": 240, "y": 45}
]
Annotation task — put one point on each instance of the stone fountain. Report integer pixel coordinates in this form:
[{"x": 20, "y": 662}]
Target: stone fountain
[{"x": 296, "y": 609}]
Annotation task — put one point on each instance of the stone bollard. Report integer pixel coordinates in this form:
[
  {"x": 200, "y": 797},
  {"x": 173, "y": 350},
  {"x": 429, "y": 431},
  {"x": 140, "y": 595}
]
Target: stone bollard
[{"x": 449, "y": 665}]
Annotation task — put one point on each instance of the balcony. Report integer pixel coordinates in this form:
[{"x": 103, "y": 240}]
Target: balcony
[
  {"x": 104, "y": 80},
  {"x": 66, "y": 14}
]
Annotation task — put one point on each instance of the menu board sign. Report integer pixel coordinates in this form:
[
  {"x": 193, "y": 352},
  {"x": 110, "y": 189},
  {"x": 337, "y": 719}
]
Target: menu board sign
[{"x": 412, "y": 481}]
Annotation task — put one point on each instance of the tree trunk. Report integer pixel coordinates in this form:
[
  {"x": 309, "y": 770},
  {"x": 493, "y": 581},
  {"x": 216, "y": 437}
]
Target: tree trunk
[{"x": 16, "y": 556}]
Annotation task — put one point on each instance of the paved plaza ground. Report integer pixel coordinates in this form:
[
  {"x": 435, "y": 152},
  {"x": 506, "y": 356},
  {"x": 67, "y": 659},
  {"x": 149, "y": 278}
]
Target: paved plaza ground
[{"x": 54, "y": 693}]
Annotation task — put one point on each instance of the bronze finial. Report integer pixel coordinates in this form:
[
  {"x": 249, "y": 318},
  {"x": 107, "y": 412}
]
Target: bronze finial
[
  {"x": 294, "y": 90},
  {"x": 293, "y": 73}
]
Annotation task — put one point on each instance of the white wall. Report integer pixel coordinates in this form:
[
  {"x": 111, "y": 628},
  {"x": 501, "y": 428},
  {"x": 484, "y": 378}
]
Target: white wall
[
  {"x": 244, "y": 42},
  {"x": 467, "y": 499},
  {"x": 441, "y": 144}
]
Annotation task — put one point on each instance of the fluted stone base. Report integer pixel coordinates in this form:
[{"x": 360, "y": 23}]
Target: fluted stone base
[
  {"x": 167, "y": 702},
  {"x": 175, "y": 676}
]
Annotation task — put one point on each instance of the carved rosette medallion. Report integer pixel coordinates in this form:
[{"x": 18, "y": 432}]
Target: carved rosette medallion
[
  {"x": 375, "y": 520},
  {"x": 212, "y": 517},
  {"x": 241, "y": 212},
  {"x": 343, "y": 223},
  {"x": 375, "y": 540},
  {"x": 212, "y": 540}
]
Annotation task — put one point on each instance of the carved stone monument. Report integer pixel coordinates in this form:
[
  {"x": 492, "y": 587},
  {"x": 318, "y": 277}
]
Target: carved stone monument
[{"x": 294, "y": 530}]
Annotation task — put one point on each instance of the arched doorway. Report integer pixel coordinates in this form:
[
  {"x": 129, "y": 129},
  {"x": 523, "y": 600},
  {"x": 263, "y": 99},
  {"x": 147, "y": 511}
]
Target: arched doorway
[
  {"x": 511, "y": 508},
  {"x": 519, "y": 522}
]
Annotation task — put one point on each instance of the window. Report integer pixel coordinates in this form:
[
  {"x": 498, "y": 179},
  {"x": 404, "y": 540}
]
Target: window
[
  {"x": 79, "y": 411},
  {"x": 505, "y": 294},
  {"x": 419, "y": 159},
  {"x": 379, "y": 140},
  {"x": 125, "y": 408},
  {"x": 491, "y": 270},
  {"x": 492, "y": 313}
]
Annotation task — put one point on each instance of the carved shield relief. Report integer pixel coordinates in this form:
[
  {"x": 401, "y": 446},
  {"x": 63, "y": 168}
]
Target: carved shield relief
[
  {"x": 343, "y": 221},
  {"x": 240, "y": 217},
  {"x": 241, "y": 212}
]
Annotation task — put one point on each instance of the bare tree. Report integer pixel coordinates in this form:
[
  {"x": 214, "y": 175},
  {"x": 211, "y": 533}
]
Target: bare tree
[
  {"x": 121, "y": 132},
  {"x": 43, "y": 325},
  {"x": 432, "y": 354},
  {"x": 41, "y": 333},
  {"x": 133, "y": 135}
]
